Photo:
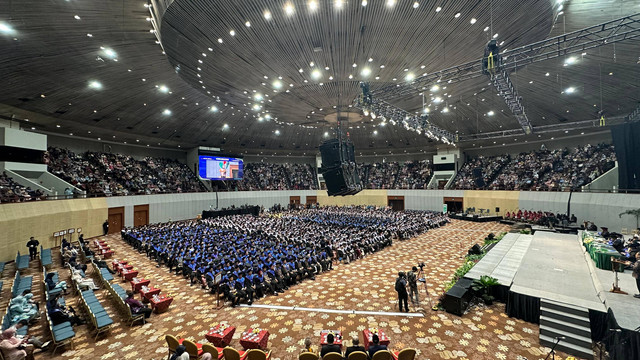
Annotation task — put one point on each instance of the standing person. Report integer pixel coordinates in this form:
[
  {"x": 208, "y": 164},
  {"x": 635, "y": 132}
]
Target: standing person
[
  {"x": 412, "y": 277},
  {"x": 105, "y": 227},
  {"x": 636, "y": 274},
  {"x": 401, "y": 289},
  {"x": 33, "y": 244}
]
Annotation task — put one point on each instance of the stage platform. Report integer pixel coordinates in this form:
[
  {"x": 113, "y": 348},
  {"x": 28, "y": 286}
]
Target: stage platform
[
  {"x": 626, "y": 308},
  {"x": 475, "y": 218},
  {"x": 554, "y": 268},
  {"x": 503, "y": 261}
]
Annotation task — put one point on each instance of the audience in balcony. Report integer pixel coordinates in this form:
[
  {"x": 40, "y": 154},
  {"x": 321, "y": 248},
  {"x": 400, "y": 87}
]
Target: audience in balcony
[
  {"x": 11, "y": 191},
  {"x": 106, "y": 174}
]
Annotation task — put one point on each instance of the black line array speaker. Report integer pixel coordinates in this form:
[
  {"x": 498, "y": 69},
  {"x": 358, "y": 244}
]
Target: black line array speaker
[
  {"x": 475, "y": 250},
  {"x": 339, "y": 168}
]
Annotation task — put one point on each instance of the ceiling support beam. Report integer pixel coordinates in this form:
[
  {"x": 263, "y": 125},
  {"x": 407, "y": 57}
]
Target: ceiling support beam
[{"x": 576, "y": 42}]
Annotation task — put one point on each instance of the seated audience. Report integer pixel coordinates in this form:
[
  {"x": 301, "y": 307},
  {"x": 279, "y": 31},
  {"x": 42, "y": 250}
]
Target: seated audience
[
  {"x": 60, "y": 314},
  {"x": 14, "y": 348},
  {"x": 330, "y": 347},
  {"x": 51, "y": 285},
  {"x": 375, "y": 347},
  {"x": 136, "y": 306},
  {"x": 355, "y": 346},
  {"x": 83, "y": 282},
  {"x": 36, "y": 342}
]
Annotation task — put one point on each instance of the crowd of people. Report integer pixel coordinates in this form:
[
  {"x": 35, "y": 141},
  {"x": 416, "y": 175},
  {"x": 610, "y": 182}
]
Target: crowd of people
[
  {"x": 270, "y": 176},
  {"x": 545, "y": 218},
  {"x": 257, "y": 256},
  {"x": 555, "y": 169},
  {"x": 11, "y": 191},
  {"x": 107, "y": 174}
]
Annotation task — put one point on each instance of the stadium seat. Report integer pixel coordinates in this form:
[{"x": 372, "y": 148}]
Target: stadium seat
[
  {"x": 172, "y": 344},
  {"x": 194, "y": 349}
]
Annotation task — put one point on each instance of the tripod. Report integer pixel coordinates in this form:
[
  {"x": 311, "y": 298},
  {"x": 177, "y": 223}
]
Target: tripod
[{"x": 421, "y": 278}]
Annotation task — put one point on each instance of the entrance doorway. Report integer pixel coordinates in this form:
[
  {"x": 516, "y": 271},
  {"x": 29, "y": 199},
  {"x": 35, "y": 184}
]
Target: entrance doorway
[
  {"x": 294, "y": 202},
  {"x": 454, "y": 204},
  {"x": 311, "y": 200},
  {"x": 396, "y": 202},
  {"x": 141, "y": 215},
  {"x": 116, "y": 219}
]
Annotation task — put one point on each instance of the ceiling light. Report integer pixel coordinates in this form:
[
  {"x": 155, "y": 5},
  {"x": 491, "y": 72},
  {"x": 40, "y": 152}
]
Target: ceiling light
[
  {"x": 437, "y": 100},
  {"x": 214, "y": 108},
  {"x": 267, "y": 14},
  {"x": 163, "y": 88},
  {"x": 338, "y": 4},
  {"x": 491, "y": 113},
  {"x": 438, "y": 9},
  {"x": 289, "y": 9},
  {"x": 354, "y": 65},
  {"x": 313, "y": 5},
  {"x": 364, "y": 2},
  {"x": 312, "y": 64},
  {"x": 88, "y": 35},
  {"x": 277, "y": 84},
  {"x": 57, "y": 126},
  {"x": 232, "y": 32},
  {"x": 225, "y": 126},
  {"x": 220, "y": 40},
  {"x": 255, "y": 107},
  {"x": 109, "y": 53},
  {"x": 486, "y": 29},
  {"x": 375, "y": 132},
  {"x": 547, "y": 74},
  {"x": 257, "y": 97},
  {"x": 570, "y": 90},
  {"x": 457, "y": 15},
  {"x": 445, "y": 110},
  {"x": 76, "y": 17},
  {"x": 277, "y": 132},
  {"x": 435, "y": 88},
  {"x": 416, "y": 4},
  {"x": 350, "y": 76},
  {"x": 166, "y": 112},
  {"x": 495, "y": 35},
  {"x": 316, "y": 74},
  {"x": 247, "y": 24},
  {"x": 570, "y": 60},
  {"x": 373, "y": 115},
  {"x": 5, "y": 28},
  {"x": 391, "y": 3},
  {"x": 381, "y": 66},
  {"x": 365, "y": 72},
  {"x": 95, "y": 85},
  {"x": 326, "y": 134},
  {"x": 473, "y": 21},
  {"x": 410, "y": 77}
]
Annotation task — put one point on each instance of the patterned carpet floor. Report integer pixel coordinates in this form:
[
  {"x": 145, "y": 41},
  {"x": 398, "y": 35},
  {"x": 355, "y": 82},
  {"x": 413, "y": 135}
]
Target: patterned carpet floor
[{"x": 362, "y": 285}]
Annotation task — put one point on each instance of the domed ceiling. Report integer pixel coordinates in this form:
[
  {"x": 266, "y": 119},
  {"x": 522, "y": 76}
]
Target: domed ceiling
[{"x": 274, "y": 76}]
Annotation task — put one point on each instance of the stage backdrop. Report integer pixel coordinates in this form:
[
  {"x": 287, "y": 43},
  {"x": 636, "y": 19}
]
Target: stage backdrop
[{"x": 626, "y": 139}]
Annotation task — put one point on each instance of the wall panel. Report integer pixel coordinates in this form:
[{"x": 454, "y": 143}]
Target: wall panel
[{"x": 41, "y": 219}]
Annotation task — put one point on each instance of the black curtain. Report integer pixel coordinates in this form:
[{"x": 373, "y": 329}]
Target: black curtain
[
  {"x": 599, "y": 322},
  {"x": 626, "y": 140},
  {"x": 622, "y": 344},
  {"x": 523, "y": 307}
]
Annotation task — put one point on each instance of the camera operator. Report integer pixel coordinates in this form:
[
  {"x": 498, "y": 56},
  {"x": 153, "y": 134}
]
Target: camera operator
[
  {"x": 412, "y": 278},
  {"x": 401, "y": 288}
]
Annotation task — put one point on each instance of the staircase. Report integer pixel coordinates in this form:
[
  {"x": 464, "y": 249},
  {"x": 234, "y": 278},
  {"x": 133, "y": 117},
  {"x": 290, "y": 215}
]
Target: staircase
[{"x": 572, "y": 322}]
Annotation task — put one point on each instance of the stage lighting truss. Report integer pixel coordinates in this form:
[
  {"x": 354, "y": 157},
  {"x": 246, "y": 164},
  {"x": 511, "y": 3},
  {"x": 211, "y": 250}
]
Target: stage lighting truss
[
  {"x": 508, "y": 92},
  {"x": 393, "y": 115},
  {"x": 576, "y": 42}
]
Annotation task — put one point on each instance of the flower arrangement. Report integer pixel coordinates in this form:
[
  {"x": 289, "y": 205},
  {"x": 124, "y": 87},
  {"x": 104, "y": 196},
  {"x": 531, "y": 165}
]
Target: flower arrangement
[
  {"x": 256, "y": 331},
  {"x": 373, "y": 330}
]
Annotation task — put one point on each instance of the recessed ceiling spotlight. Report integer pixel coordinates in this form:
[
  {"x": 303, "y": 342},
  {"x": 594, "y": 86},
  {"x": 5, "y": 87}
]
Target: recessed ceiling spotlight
[
  {"x": 163, "y": 88},
  {"x": 313, "y": 5},
  {"x": 89, "y": 35},
  {"x": 316, "y": 74},
  {"x": 6, "y": 28},
  {"x": 277, "y": 84},
  {"x": 473, "y": 21},
  {"x": 232, "y": 32},
  {"x": 57, "y": 126},
  {"x": 491, "y": 113},
  {"x": 350, "y": 76},
  {"x": 166, "y": 112},
  {"x": 570, "y": 90},
  {"x": 110, "y": 53},
  {"x": 364, "y": 2},
  {"x": 214, "y": 108},
  {"x": 247, "y": 24},
  {"x": 277, "y": 132},
  {"x": 257, "y": 97},
  {"x": 76, "y": 17},
  {"x": 391, "y": 3},
  {"x": 486, "y": 29},
  {"x": 495, "y": 35},
  {"x": 416, "y": 4},
  {"x": 570, "y": 60},
  {"x": 381, "y": 66},
  {"x": 267, "y": 14},
  {"x": 354, "y": 65},
  {"x": 457, "y": 15},
  {"x": 435, "y": 88},
  {"x": 338, "y": 4},
  {"x": 289, "y": 9},
  {"x": 547, "y": 74},
  {"x": 300, "y": 70},
  {"x": 438, "y": 9},
  {"x": 410, "y": 77},
  {"x": 94, "y": 84},
  {"x": 365, "y": 72}
]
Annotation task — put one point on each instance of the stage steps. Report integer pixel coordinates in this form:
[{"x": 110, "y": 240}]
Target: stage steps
[{"x": 572, "y": 322}]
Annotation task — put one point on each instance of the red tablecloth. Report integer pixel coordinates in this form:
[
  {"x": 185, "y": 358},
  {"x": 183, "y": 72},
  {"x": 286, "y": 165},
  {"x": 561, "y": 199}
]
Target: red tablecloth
[
  {"x": 220, "y": 336},
  {"x": 123, "y": 267},
  {"x": 115, "y": 263},
  {"x": 160, "y": 303},
  {"x": 367, "y": 335},
  {"x": 129, "y": 274},
  {"x": 138, "y": 283},
  {"x": 251, "y": 340},
  {"x": 337, "y": 337},
  {"x": 148, "y": 292}
]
